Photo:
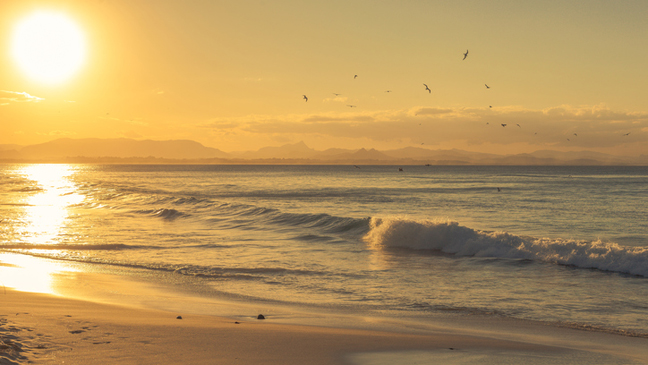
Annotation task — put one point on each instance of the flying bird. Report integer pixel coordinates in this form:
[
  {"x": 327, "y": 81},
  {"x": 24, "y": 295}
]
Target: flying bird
[
  {"x": 354, "y": 76},
  {"x": 388, "y": 91},
  {"x": 351, "y": 106},
  {"x": 305, "y": 98},
  {"x": 465, "y": 55},
  {"x": 488, "y": 87},
  {"x": 490, "y": 106},
  {"x": 627, "y": 134},
  {"x": 576, "y": 134},
  {"x": 518, "y": 125},
  {"x": 336, "y": 94},
  {"x": 427, "y": 88},
  {"x": 503, "y": 125}
]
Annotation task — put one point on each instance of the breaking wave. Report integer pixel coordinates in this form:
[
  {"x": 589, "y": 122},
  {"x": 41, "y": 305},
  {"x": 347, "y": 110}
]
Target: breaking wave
[{"x": 452, "y": 238}]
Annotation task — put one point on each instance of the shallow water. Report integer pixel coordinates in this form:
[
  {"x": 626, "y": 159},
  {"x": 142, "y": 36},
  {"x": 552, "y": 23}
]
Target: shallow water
[{"x": 562, "y": 245}]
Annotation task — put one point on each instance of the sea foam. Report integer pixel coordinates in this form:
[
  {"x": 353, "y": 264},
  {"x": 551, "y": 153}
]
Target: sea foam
[{"x": 452, "y": 238}]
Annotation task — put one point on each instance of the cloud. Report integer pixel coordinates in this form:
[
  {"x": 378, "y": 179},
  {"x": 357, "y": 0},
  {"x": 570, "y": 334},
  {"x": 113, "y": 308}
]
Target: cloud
[
  {"x": 336, "y": 99},
  {"x": 57, "y": 133},
  {"x": 17, "y": 97},
  {"x": 132, "y": 121},
  {"x": 563, "y": 126},
  {"x": 432, "y": 111}
]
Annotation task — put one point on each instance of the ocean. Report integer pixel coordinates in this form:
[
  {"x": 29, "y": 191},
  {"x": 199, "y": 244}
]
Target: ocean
[{"x": 562, "y": 246}]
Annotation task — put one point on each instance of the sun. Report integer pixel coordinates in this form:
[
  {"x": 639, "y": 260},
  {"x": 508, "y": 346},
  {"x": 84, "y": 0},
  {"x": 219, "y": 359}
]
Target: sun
[{"x": 48, "y": 46}]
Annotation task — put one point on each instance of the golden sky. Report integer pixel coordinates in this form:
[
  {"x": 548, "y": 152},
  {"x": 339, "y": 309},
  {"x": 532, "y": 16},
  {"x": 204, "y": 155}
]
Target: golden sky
[{"x": 563, "y": 75}]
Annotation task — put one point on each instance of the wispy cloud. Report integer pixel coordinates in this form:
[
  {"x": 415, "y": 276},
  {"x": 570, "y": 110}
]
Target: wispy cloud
[
  {"x": 17, "y": 96},
  {"x": 336, "y": 99},
  {"x": 57, "y": 133},
  {"x": 132, "y": 121}
]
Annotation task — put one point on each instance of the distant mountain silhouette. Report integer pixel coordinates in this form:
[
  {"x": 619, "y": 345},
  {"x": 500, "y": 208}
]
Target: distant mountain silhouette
[
  {"x": 363, "y": 155},
  {"x": 9, "y": 147},
  {"x": 120, "y": 147},
  {"x": 177, "y": 151},
  {"x": 297, "y": 150}
]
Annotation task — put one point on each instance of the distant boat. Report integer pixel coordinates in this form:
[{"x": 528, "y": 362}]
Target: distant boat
[{"x": 400, "y": 169}]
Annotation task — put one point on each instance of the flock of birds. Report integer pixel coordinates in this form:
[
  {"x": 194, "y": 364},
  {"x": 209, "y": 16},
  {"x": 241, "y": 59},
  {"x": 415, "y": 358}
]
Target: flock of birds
[
  {"x": 388, "y": 91},
  {"x": 465, "y": 55}
]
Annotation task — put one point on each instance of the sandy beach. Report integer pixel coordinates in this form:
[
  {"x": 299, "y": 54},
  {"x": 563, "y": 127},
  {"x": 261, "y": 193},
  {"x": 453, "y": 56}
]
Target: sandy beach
[
  {"x": 55, "y": 328},
  {"x": 47, "y": 329}
]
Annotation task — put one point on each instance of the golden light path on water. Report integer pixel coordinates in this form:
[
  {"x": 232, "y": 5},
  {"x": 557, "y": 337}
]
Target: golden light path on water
[
  {"x": 43, "y": 222},
  {"x": 47, "y": 211}
]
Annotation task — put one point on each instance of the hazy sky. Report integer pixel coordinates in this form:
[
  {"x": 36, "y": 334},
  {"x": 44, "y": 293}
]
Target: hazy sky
[{"x": 232, "y": 74}]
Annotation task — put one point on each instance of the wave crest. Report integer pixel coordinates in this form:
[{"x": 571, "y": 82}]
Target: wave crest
[{"x": 450, "y": 237}]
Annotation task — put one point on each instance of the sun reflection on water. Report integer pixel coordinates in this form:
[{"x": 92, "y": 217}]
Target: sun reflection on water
[{"x": 47, "y": 211}]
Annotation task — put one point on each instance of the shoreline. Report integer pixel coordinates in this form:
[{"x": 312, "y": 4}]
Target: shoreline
[{"x": 108, "y": 317}]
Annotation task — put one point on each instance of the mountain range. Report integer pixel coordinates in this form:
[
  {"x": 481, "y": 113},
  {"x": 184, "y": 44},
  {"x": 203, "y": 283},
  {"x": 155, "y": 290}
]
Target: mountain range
[{"x": 123, "y": 150}]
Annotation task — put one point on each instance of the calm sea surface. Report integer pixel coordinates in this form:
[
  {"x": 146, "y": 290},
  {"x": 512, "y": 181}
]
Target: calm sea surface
[{"x": 563, "y": 245}]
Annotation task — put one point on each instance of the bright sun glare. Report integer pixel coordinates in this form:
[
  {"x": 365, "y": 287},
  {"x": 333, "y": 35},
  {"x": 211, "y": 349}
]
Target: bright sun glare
[{"x": 48, "y": 46}]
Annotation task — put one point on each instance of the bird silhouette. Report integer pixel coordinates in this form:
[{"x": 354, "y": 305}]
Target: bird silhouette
[
  {"x": 488, "y": 87},
  {"x": 627, "y": 134},
  {"x": 518, "y": 125},
  {"x": 351, "y": 106},
  {"x": 355, "y": 76},
  {"x": 305, "y": 98},
  {"x": 336, "y": 94},
  {"x": 465, "y": 55},
  {"x": 427, "y": 88},
  {"x": 503, "y": 125}
]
